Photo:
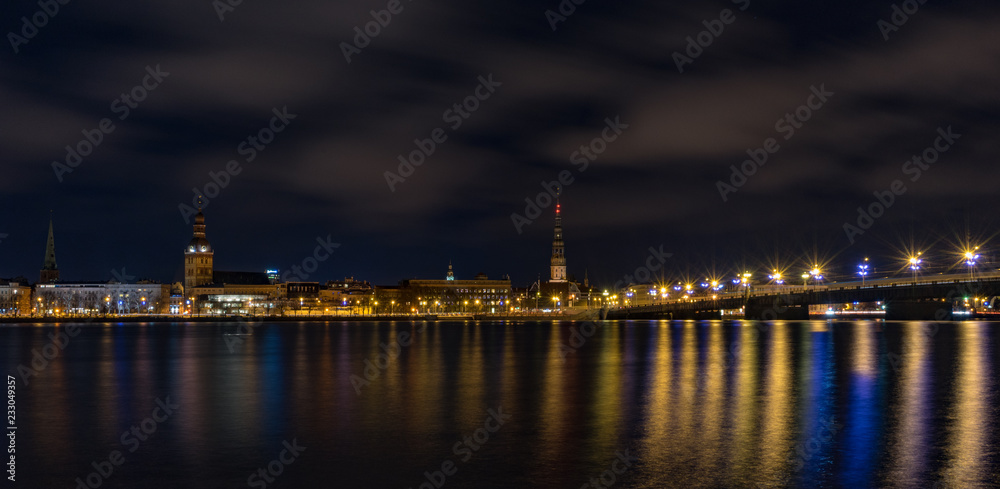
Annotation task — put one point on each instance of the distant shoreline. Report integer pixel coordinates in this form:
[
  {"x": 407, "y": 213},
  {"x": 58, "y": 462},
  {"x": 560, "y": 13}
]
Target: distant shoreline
[{"x": 282, "y": 319}]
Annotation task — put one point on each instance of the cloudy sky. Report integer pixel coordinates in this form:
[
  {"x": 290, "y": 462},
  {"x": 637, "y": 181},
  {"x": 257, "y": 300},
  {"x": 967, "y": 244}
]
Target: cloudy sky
[{"x": 223, "y": 72}]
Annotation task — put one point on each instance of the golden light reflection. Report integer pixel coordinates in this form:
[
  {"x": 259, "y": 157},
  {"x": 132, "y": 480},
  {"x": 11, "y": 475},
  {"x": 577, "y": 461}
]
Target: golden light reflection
[
  {"x": 658, "y": 412},
  {"x": 554, "y": 418},
  {"x": 864, "y": 359},
  {"x": 426, "y": 381},
  {"x": 471, "y": 379},
  {"x": 606, "y": 416},
  {"x": 685, "y": 391},
  {"x": 715, "y": 391},
  {"x": 777, "y": 413},
  {"x": 967, "y": 446},
  {"x": 908, "y": 444},
  {"x": 745, "y": 409}
]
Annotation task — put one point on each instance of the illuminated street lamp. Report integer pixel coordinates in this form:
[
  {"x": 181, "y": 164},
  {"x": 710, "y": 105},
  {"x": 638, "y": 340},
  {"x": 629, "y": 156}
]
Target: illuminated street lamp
[
  {"x": 777, "y": 277},
  {"x": 863, "y": 271},
  {"x": 915, "y": 261},
  {"x": 971, "y": 257},
  {"x": 816, "y": 272}
]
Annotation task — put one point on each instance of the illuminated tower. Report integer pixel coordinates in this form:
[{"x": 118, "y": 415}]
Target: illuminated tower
[
  {"x": 50, "y": 271},
  {"x": 451, "y": 273},
  {"x": 558, "y": 265},
  {"x": 198, "y": 256}
]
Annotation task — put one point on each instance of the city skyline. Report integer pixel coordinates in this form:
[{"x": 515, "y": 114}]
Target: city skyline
[{"x": 935, "y": 257}]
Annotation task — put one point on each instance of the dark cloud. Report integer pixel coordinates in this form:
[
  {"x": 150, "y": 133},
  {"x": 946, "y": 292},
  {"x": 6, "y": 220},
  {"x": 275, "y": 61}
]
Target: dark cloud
[{"x": 325, "y": 173}]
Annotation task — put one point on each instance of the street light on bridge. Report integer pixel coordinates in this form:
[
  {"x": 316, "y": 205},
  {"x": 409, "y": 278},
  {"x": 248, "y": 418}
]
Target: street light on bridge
[
  {"x": 863, "y": 271},
  {"x": 777, "y": 277},
  {"x": 915, "y": 261},
  {"x": 971, "y": 257}
]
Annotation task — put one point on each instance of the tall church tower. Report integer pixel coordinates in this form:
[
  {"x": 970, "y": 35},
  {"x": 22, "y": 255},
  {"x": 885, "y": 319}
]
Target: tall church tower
[
  {"x": 198, "y": 256},
  {"x": 50, "y": 271},
  {"x": 558, "y": 264}
]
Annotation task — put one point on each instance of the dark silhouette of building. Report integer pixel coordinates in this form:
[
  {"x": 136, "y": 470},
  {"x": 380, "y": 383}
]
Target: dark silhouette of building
[{"x": 50, "y": 271}]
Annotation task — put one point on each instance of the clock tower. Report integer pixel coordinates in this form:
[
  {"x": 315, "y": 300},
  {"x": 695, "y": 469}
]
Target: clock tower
[{"x": 198, "y": 256}]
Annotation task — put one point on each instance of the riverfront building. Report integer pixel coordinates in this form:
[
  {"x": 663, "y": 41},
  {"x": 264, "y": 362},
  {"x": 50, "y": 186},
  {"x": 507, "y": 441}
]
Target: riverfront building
[{"x": 479, "y": 295}]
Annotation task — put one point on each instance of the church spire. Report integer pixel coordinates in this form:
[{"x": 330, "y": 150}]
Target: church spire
[
  {"x": 558, "y": 262},
  {"x": 50, "y": 271}
]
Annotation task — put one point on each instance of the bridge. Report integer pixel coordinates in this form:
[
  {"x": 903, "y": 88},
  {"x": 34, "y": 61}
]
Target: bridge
[{"x": 923, "y": 298}]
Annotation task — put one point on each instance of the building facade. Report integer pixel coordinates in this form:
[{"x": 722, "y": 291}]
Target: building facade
[
  {"x": 480, "y": 295},
  {"x": 97, "y": 299},
  {"x": 198, "y": 256},
  {"x": 15, "y": 298}
]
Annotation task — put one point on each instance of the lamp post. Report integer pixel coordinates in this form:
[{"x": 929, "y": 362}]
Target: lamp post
[
  {"x": 863, "y": 271},
  {"x": 915, "y": 262},
  {"x": 970, "y": 260}
]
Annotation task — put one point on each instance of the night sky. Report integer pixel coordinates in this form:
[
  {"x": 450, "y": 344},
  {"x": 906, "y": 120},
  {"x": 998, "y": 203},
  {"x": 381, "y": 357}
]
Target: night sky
[{"x": 656, "y": 185}]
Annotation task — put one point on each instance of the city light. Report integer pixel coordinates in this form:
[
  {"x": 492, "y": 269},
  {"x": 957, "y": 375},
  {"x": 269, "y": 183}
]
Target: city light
[{"x": 777, "y": 277}]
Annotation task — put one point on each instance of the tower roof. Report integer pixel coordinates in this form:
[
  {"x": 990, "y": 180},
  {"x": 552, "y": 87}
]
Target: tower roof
[
  {"x": 199, "y": 242},
  {"x": 50, "y": 250}
]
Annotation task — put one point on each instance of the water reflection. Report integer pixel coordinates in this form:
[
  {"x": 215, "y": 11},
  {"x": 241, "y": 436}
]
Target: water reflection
[
  {"x": 701, "y": 404},
  {"x": 965, "y": 456},
  {"x": 908, "y": 454},
  {"x": 862, "y": 418}
]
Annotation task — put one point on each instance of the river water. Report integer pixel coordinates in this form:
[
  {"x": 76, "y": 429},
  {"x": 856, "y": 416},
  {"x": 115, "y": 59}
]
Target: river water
[{"x": 641, "y": 404}]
